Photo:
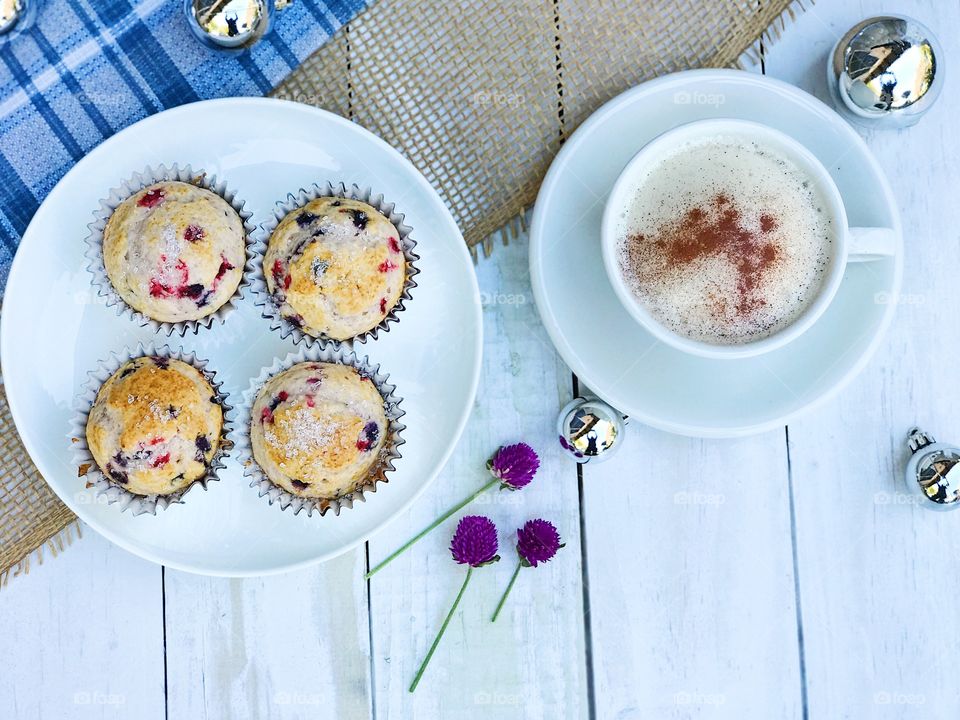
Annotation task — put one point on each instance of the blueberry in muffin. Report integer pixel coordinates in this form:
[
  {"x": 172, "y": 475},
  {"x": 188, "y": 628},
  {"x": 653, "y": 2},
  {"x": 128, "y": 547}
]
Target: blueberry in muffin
[{"x": 335, "y": 267}]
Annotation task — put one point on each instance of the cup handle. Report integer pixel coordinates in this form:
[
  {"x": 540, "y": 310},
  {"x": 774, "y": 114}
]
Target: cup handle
[{"x": 866, "y": 244}]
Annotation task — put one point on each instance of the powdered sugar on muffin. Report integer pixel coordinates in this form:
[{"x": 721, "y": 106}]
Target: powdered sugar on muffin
[{"x": 318, "y": 430}]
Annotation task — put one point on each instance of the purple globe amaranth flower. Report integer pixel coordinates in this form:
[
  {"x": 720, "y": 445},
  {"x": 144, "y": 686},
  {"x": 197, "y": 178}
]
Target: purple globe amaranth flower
[
  {"x": 537, "y": 542},
  {"x": 514, "y": 465},
  {"x": 475, "y": 541}
]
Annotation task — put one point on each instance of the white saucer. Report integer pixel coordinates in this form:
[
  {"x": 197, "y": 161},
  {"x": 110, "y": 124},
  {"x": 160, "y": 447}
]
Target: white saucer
[
  {"x": 55, "y": 330},
  {"x": 625, "y": 365}
]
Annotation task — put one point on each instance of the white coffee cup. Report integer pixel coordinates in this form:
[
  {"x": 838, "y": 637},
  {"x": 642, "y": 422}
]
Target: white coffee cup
[{"x": 850, "y": 244}]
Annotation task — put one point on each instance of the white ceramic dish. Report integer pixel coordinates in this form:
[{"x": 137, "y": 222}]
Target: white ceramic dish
[
  {"x": 622, "y": 362},
  {"x": 54, "y": 330}
]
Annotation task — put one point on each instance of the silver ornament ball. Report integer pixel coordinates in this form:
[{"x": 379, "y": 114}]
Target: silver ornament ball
[
  {"x": 886, "y": 71},
  {"x": 10, "y": 11},
  {"x": 229, "y": 24},
  {"x": 590, "y": 430},
  {"x": 933, "y": 471},
  {"x": 15, "y": 17}
]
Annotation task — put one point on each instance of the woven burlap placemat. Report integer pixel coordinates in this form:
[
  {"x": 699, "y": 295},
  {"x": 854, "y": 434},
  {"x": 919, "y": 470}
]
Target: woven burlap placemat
[{"x": 479, "y": 95}]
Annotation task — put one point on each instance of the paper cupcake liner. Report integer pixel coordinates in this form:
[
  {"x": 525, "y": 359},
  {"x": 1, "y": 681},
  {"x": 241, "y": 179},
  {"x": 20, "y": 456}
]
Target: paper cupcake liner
[
  {"x": 390, "y": 453},
  {"x": 86, "y": 464},
  {"x": 268, "y": 306},
  {"x": 94, "y": 240}
]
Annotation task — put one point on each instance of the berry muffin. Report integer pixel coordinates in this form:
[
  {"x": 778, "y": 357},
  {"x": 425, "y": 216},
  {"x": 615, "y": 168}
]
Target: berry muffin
[
  {"x": 174, "y": 251},
  {"x": 318, "y": 430},
  {"x": 335, "y": 267},
  {"x": 155, "y": 426}
]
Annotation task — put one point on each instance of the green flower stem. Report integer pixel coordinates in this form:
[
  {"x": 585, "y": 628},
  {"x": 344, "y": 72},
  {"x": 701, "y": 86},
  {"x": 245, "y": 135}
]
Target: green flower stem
[
  {"x": 443, "y": 629},
  {"x": 506, "y": 592},
  {"x": 406, "y": 546}
]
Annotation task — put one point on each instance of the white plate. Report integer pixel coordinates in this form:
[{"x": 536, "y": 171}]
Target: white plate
[
  {"x": 54, "y": 330},
  {"x": 625, "y": 365}
]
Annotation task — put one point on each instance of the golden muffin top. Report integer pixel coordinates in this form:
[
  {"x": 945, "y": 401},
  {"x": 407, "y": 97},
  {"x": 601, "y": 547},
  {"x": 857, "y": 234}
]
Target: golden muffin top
[
  {"x": 155, "y": 426},
  {"x": 317, "y": 430},
  {"x": 174, "y": 251},
  {"x": 335, "y": 267}
]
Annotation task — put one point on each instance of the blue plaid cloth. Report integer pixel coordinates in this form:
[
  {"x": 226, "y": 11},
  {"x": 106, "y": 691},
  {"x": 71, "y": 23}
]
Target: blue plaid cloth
[{"x": 88, "y": 68}]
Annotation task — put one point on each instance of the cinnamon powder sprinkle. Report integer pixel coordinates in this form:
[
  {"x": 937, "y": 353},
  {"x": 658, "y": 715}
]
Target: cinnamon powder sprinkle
[{"x": 714, "y": 229}]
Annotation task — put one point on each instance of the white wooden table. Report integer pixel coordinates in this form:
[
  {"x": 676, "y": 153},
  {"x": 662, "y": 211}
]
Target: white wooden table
[{"x": 780, "y": 576}]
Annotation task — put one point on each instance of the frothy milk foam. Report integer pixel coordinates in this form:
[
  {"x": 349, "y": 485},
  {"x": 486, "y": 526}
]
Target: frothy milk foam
[{"x": 725, "y": 240}]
